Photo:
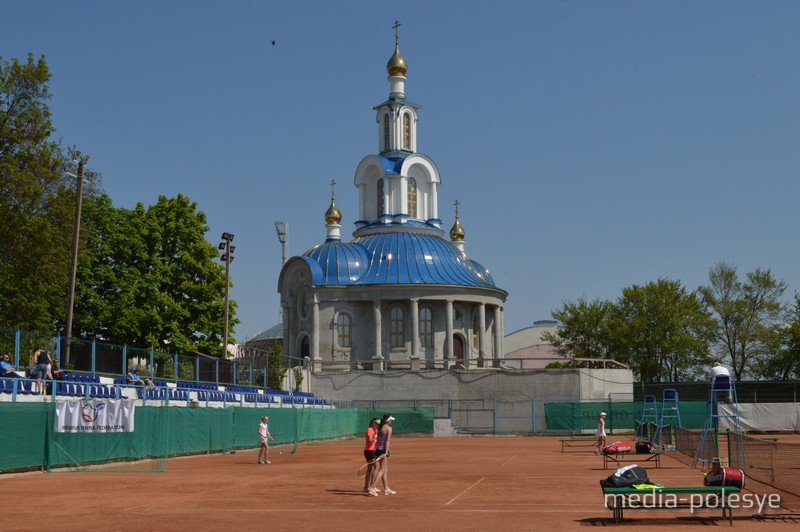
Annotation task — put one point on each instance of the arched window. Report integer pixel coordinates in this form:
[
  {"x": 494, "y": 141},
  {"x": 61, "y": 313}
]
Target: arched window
[
  {"x": 412, "y": 197},
  {"x": 386, "y": 132},
  {"x": 426, "y": 327},
  {"x": 381, "y": 199},
  {"x": 343, "y": 330},
  {"x": 406, "y": 131},
  {"x": 397, "y": 336}
]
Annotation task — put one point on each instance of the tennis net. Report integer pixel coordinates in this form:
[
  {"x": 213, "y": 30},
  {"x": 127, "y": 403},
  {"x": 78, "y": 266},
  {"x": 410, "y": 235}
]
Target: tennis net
[{"x": 769, "y": 461}]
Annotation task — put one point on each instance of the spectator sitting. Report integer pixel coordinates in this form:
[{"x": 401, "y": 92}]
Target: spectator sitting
[
  {"x": 133, "y": 378},
  {"x": 6, "y": 369}
]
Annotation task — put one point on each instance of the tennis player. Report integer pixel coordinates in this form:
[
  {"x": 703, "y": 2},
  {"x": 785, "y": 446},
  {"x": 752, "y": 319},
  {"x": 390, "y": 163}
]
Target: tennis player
[
  {"x": 264, "y": 436},
  {"x": 371, "y": 437},
  {"x": 382, "y": 445},
  {"x": 600, "y": 433}
]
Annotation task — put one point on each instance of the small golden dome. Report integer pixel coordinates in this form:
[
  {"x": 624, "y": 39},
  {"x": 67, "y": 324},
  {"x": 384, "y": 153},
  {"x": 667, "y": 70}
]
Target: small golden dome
[
  {"x": 396, "y": 65},
  {"x": 332, "y": 215},
  {"x": 457, "y": 232}
]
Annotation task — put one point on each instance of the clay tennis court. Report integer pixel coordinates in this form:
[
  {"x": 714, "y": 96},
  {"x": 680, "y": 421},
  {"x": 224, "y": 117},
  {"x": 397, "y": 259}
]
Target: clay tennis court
[{"x": 478, "y": 483}]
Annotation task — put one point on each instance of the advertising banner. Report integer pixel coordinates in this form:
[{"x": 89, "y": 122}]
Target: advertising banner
[{"x": 94, "y": 416}]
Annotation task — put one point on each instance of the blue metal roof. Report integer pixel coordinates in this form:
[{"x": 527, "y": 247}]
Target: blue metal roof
[
  {"x": 396, "y": 258},
  {"x": 392, "y": 165},
  {"x": 342, "y": 264}
]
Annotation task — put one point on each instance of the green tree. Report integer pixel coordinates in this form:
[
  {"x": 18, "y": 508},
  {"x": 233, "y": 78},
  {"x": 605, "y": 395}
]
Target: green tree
[
  {"x": 745, "y": 313},
  {"x": 275, "y": 367},
  {"x": 784, "y": 343},
  {"x": 150, "y": 278},
  {"x": 661, "y": 331},
  {"x": 584, "y": 330},
  {"x": 36, "y": 202}
]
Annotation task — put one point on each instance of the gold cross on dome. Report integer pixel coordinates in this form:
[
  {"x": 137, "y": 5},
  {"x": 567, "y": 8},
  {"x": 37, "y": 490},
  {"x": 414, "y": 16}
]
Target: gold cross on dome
[
  {"x": 396, "y": 37},
  {"x": 333, "y": 184},
  {"x": 457, "y": 203}
]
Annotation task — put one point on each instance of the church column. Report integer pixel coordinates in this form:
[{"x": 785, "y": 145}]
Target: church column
[
  {"x": 288, "y": 333},
  {"x": 481, "y": 335},
  {"x": 378, "y": 356},
  {"x": 448, "y": 354},
  {"x": 498, "y": 336},
  {"x": 315, "y": 330},
  {"x": 414, "y": 334}
]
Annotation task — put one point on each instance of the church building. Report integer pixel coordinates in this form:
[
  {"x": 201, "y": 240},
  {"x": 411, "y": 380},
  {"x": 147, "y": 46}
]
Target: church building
[{"x": 398, "y": 295}]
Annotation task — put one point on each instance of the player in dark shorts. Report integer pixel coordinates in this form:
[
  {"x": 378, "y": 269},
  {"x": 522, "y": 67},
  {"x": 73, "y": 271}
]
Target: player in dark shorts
[
  {"x": 371, "y": 437},
  {"x": 381, "y": 448}
]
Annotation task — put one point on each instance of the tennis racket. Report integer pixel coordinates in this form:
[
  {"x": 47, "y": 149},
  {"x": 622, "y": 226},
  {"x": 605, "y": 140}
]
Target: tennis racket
[{"x": 362, "y": 471}]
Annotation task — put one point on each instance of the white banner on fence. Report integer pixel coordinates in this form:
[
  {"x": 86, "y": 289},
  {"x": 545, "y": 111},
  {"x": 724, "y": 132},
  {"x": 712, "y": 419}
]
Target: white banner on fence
[
  {"x": 764, "y": 417},
  {"x": 94, "y": 415}
]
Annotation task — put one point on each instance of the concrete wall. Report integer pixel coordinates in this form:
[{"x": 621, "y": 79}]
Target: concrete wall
[{"x": 540, "y": 385}]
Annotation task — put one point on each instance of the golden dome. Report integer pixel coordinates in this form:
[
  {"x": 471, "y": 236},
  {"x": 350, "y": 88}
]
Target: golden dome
[
  {"x": 396, "y": 65},
  {"x": 457, "y": 232},
  {"x": 332, "y": 215}
]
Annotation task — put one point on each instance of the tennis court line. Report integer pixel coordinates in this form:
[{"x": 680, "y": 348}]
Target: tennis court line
[
  {"x": 507, "y": 461},
  {"x": 466, "y": 490}
]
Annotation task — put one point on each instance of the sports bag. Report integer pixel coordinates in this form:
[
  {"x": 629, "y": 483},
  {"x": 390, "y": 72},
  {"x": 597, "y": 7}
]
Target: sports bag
[
  {"x": 724, "y": 476},
  {"x": 617, "y": 447},
  {"x": 644, "y": 447},
  {"x": 625, "y": 477}
]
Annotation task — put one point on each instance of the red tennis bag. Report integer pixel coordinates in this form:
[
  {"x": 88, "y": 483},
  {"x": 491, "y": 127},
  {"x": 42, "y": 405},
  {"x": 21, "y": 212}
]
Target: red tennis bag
[
  {"x": 617, "y": 447},
  {"x": 724, "y": 476}
]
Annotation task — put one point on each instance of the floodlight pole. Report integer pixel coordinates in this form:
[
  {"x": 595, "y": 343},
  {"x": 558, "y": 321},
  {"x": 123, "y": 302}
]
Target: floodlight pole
[
  {"x": 227, "y": 257},
  {"x": 75, "y": 245}
]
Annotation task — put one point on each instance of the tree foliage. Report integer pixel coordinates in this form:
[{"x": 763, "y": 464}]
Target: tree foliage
[
  {"x": 746, "y": 315},
  {"x": 275, "y": 364},
  {"x": 146, "y": 277},
  {"x": 661, "y": 330},
  {"x": 150, "y": 279},
  {"x": 584, "y": 330},
  {"x": 35, "y": 200}
]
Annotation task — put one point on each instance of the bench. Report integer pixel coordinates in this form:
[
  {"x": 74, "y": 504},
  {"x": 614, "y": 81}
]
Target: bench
[
  {"x": 577, "y": 442},
  {"x": 661, "y": 498},
  {"x": 654, "y": 457}
]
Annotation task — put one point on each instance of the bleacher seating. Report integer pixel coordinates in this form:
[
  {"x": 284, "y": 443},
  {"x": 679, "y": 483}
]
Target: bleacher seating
[{"x": 84, "y": 385}]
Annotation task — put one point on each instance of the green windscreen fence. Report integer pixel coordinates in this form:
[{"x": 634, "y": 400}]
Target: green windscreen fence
[
  {"x": 579, "y": 417},
  {"x": 28, "y": 441}
]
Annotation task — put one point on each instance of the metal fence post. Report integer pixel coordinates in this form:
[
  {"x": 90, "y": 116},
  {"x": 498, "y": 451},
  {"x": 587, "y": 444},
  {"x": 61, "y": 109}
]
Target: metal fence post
[
  {"x": 533, "y": 416},
  {"x": 16, "y": 349},
  {"x": 94, "y": 355},
  {"x": 124, "y": 358},
  {"x": 494, "y": 417}
]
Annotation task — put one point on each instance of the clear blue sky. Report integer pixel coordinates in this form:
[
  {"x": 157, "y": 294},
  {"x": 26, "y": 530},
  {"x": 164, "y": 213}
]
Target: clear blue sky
[{"x": 592, "y": 145}]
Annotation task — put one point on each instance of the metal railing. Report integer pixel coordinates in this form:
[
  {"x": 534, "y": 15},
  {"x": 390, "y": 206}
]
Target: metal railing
[{"x": 93, "y": 357}]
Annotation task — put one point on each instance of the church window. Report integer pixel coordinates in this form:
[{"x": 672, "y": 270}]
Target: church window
[
  {"x": 406, "y": 131},
  {"x": 397, "y": 336},
  {"x": 343, "y": 330},
  {"x": 386, "y": 132},
  {"x": 412, "y": 197},
  {"x": 426, "y": 327},
  {"x": 381, "y": 199}
]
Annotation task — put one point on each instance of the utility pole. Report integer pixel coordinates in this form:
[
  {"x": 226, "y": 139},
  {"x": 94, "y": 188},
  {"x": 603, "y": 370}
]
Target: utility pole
[
  {"x": 75, "y": 244},
  {"x": 227, "y": 256}
]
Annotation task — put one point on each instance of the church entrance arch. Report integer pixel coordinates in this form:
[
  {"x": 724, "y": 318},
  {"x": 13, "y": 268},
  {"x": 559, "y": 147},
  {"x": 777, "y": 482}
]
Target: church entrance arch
[
  {"x": 304, "y": 350},
  {"x": 458, "y": 349}
]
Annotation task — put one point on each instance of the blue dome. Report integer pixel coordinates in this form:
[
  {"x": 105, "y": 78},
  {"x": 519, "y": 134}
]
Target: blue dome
[
  {"x": 342, "y": 264},
  {"x": 397, "y": 258}
]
